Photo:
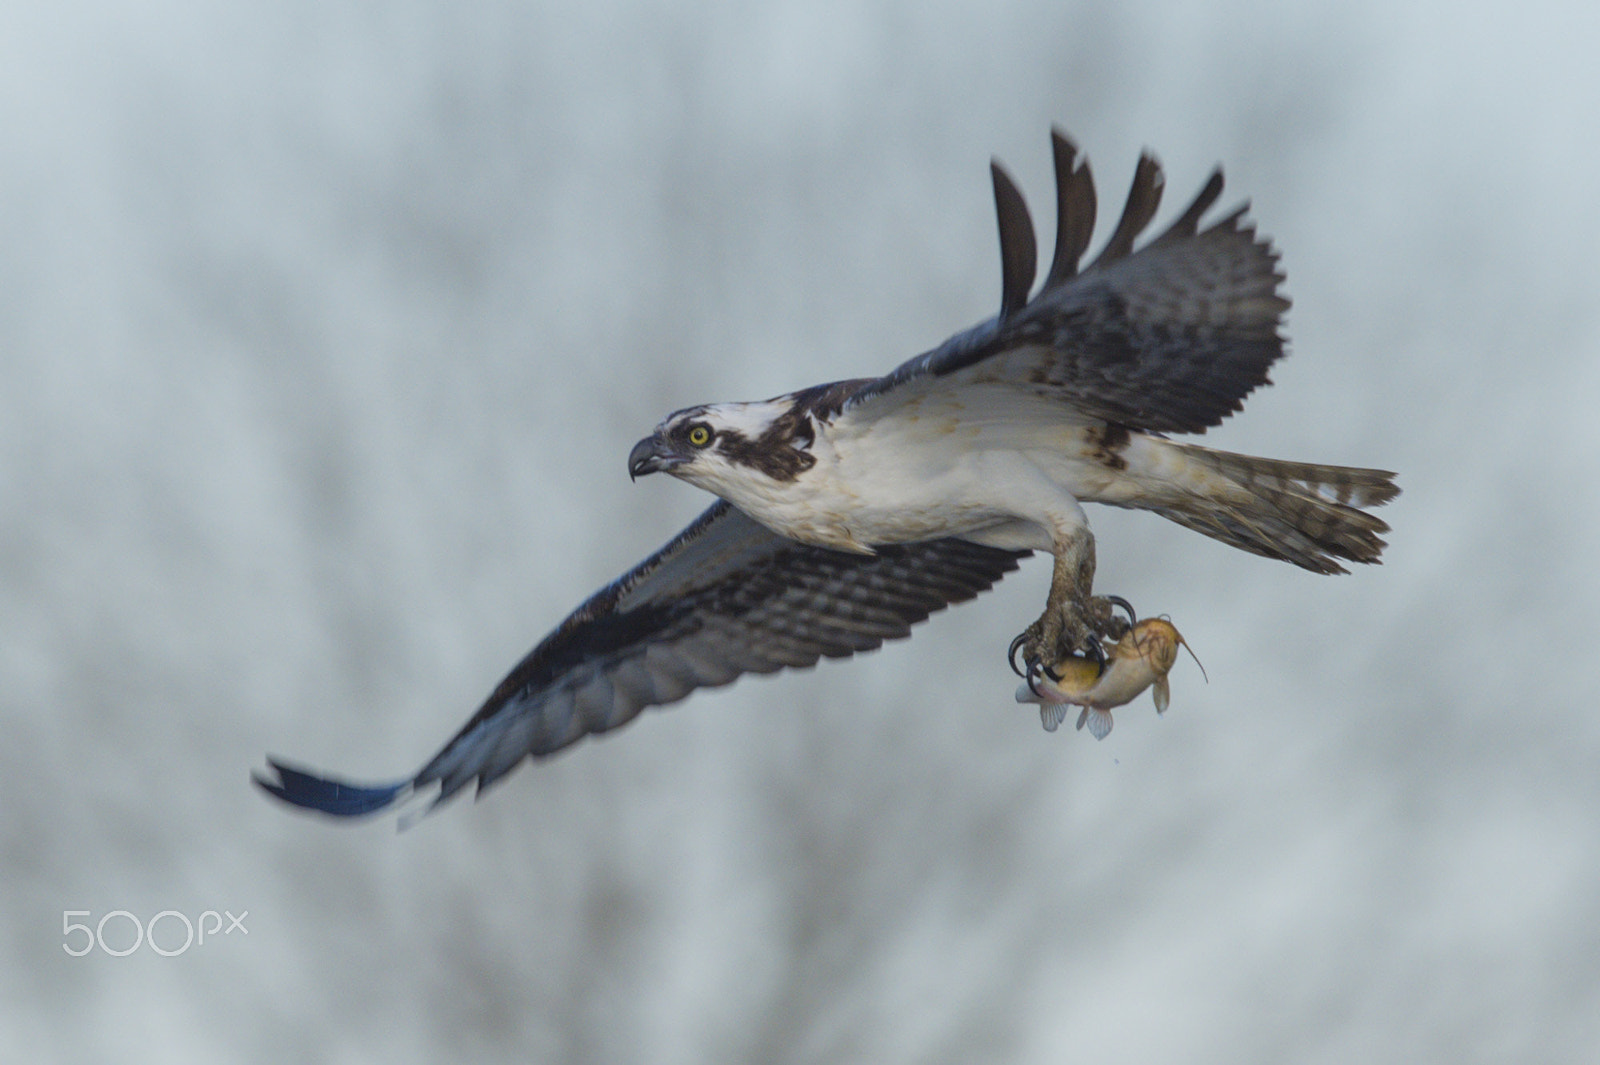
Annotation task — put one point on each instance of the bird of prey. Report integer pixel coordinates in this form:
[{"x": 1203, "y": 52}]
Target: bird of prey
[{"x": 850, "y": 511}]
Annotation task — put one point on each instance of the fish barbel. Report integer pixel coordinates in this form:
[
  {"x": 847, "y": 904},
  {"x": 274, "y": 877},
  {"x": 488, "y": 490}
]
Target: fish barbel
[{"x": 1141, "y": 659}]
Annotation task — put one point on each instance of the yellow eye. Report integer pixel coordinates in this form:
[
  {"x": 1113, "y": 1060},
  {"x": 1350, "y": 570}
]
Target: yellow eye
[{"x": 699, "y": 436}]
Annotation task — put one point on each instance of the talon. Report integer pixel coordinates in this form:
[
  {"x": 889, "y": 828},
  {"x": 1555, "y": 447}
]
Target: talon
[
  {"x": 1117, "y": 600},
  {"x": 1103, "y": 619},
  {"x": 1097, "y": 653},
  {"x": 1011, "y": 656},
  {"x": 1034, "y": 669},
  {"x": 1052, "y": 674}
]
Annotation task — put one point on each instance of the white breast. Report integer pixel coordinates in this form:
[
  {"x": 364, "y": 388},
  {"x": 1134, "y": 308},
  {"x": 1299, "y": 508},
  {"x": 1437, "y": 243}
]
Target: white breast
[{"x": 989, "y": 462}]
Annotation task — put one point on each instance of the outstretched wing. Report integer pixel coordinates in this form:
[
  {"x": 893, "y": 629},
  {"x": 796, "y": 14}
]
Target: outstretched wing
[
  {"x": 725, "y": 597},
  {"x": 1168, "y": 338}
]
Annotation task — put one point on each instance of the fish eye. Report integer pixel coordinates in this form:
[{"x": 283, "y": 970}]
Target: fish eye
[{"x": 699, "y": 435}]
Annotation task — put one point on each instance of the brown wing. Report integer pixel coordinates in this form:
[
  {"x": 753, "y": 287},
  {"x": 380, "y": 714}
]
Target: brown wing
[
  {"x": 724, "y": 598},
  {"x": 1170, "y": 337}
]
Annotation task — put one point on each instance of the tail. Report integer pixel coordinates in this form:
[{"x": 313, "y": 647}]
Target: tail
[{"x": 1313, "y": 516}]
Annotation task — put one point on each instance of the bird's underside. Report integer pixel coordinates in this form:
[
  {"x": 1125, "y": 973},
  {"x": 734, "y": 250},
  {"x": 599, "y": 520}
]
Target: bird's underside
[{"x": 852, "y": 510}]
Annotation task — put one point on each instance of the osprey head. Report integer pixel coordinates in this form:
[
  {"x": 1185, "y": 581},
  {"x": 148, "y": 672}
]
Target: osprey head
[{"x": 722, "y": 445}]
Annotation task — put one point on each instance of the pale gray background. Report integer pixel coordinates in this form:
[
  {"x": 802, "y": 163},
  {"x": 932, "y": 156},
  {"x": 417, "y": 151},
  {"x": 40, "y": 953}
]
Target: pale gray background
[{"x": 325, "y": 330}]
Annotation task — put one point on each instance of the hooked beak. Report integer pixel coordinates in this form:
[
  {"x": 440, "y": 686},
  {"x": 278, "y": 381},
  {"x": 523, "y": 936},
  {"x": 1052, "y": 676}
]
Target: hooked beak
[{"x": 651, "y": 455}]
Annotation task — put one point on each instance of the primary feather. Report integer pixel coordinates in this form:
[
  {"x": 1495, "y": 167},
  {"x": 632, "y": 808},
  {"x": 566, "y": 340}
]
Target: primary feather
[{"x": 725, "y": 597}]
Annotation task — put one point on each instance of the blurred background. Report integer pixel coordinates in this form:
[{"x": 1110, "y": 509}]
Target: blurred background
[{"x": 325, "y": 331}]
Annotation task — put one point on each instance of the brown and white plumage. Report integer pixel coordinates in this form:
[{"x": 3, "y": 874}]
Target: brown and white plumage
[
  {"x": 852, "y": 510},
  {"x": 725, "y": 597}
]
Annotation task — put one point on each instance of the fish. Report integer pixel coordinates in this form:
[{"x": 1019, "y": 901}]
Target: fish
[{"x": 1141, "y": 659}]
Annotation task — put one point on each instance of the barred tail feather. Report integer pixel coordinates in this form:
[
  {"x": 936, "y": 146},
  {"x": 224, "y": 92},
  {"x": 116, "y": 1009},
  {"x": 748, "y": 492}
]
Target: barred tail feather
[{"x": 1311, "y": 515}]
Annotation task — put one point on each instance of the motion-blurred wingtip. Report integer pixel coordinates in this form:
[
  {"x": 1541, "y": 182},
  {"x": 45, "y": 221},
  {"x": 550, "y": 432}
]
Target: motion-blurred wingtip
[{"x": 337, "y": 798}]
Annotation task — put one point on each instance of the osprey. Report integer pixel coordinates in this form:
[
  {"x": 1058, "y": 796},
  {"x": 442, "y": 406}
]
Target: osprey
[{"x": 850, "y": 511}]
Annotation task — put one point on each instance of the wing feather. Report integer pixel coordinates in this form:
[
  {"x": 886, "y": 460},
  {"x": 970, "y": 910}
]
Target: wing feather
[
  {"x": 1144, "y": 199},
  {"x": 1167, "y": 337},
  {"x": 1075, "y": 209},
  {"x": 1019, "y": 254},
  {"x": 723, "y": 598}
]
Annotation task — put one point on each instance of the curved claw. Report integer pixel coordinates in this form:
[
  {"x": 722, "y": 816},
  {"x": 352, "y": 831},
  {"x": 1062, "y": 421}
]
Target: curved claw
[
  {"x": 1117, "y": 600},
  {"x": 1032, "y": 668},
  {"x": 1098, "y": 653},
  {"x": 1032, "y": 677},
  {"x": 1011, "y": 657}
]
